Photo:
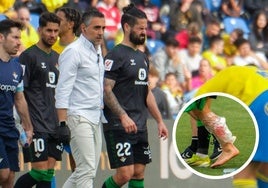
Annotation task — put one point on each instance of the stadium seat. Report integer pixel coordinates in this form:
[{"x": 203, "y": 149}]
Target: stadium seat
[
  {"x": 154, "y": 45},
  {"x": 34, "y": 20},
  {"x": 2, "y": 17},
  {"x": 231, "y": 23},
  {"x": 157, "y": 3}
]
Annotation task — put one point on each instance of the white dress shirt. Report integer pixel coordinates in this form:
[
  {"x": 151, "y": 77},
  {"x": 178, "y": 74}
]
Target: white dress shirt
[{"x": 80, "y": 84}]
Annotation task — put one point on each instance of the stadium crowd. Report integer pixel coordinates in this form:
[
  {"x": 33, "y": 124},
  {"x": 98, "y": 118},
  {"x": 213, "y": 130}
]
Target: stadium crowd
[{"x": 188, "y": 41}]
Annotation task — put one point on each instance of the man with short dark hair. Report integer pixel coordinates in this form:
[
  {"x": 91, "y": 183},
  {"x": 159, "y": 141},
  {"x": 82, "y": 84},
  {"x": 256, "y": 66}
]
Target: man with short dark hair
[
  {"x": 11, "y": 93},
  {"x": 40, "y": 79}
]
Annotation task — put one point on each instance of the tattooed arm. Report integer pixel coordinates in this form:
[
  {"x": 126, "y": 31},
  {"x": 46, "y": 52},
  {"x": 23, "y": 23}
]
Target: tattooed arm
[{"x": 112, "y": 102}]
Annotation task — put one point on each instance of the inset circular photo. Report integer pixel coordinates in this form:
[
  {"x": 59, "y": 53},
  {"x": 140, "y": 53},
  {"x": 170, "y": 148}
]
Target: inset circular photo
[{"x": 215, "y": 135}]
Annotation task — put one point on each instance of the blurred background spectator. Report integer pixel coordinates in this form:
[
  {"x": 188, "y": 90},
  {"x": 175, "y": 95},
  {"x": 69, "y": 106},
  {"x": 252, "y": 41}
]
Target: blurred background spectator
[
  {"x": 182, "y": 14},
  {"x": 203, "y": 75},
  {"x": 112, "y": 18},
  {"x": 193, "y": 30},
  {"x": 229, "y": 49},
  {"x": 212, "y": 28},
  {"x": 258, "y": 37},
  {"x": 29, "y": 35},
  {"x": 191, "y": 56},
  {"x": 233, "y": 8},
  {"x": 155, "y": 26},
  {"x": 167, "y": 60},
  {"x": 253, "y": 6},
  {"x": 247, "y": 56},
  {"x": 35, "y": 6},
  {"x": 229, "y": 40},
  {"x": 214, "y": 54},
  {"x": 174, "y": 93}
]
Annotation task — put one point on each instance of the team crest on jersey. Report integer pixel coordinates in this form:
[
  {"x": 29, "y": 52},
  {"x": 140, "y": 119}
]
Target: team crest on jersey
[
  {"x": 108, "y": 64},
  {"x": 15, "y": 75},
  {"x": 123, "y": 159}
]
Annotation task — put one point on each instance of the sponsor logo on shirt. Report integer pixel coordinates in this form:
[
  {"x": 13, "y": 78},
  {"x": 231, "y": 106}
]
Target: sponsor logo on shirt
[
  {"x": 52, "y": 79},
  {"x": 108, "y": 64},
  {"x": 7, "y": 88},
  {"x": 142, "y": 75}
]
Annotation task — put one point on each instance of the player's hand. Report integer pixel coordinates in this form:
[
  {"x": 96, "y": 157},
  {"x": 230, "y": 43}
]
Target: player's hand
[
  {"x": 29, "y": 134},
  {"x": 128, "y": 124},
  {"x": 162, "y": 130},
  {"x": 63, "y": 134}
]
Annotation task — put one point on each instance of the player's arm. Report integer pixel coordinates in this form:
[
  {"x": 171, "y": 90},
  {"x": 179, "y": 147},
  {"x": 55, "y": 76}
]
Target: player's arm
[
  {"x": 22, "y": 109},
  {"x": 112, "y": 102},
  {"x": 153, "y": 109}
]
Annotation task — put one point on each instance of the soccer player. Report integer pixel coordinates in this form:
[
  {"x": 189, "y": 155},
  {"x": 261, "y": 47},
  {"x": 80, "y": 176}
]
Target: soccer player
[
  {"x": 200, "y": 110},
  {"x": 11, "y": 93},
  {"x": 250, "y": 85},
  {"x": 40, "y": 79},
  {"x": 127, "y": 97},
  {"x": 70, "y": 20}
]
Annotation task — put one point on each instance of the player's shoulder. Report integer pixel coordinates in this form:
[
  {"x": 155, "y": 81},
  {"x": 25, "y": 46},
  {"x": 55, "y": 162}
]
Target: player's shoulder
[
  {"x": 31, "y": 49},
  {"x": 54, "y": 53},
  {"x": 118, "y": 52}
]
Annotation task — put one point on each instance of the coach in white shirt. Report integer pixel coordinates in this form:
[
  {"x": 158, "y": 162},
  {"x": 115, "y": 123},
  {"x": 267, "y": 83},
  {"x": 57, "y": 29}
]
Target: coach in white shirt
[{"x": 79, "y": 98}]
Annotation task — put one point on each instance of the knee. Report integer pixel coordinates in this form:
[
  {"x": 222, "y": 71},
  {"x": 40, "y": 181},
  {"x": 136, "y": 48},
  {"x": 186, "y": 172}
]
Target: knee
[
  {"x": 123, "y": 178},
  {"x": 4, "y": 175}
]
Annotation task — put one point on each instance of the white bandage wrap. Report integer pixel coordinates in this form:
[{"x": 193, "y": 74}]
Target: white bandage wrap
[{"x": 217, "y": 126}]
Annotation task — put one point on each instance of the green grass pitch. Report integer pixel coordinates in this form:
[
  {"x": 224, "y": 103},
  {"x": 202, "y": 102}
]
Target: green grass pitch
[{"x": 239, "y": 122}]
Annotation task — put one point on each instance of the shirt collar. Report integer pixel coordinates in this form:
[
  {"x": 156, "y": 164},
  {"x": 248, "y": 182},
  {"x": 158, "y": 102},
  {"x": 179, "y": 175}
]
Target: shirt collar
[{"x": 89, "y": 44}]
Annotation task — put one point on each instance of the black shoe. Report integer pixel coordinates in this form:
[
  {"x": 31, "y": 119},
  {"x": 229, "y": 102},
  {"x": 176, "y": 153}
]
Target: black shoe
[
  {"x": 187, "y": 154},
  {"x": 216, "y": 151}
]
